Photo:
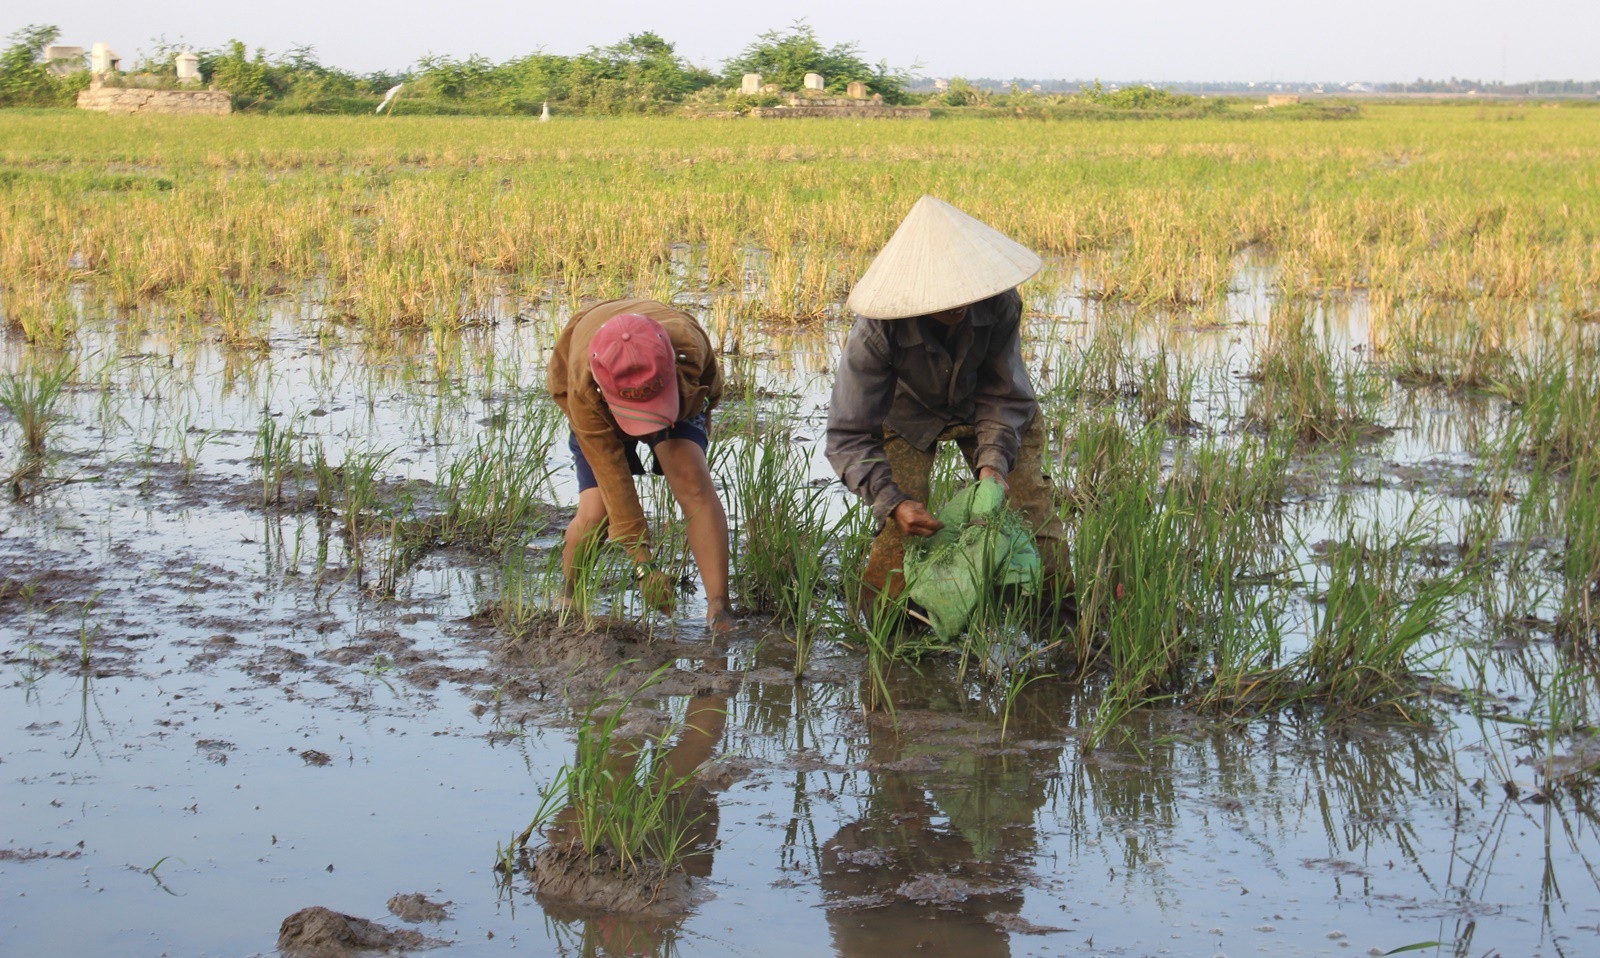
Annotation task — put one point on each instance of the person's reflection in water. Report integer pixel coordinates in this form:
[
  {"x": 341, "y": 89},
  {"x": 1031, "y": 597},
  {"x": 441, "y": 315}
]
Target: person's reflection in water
[
  {"x": 655, "y": 933},
  {"x": 938, "y": 860}
]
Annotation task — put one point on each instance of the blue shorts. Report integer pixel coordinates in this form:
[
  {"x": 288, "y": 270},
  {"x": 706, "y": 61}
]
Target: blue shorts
[{"x": 692, "y": 429}]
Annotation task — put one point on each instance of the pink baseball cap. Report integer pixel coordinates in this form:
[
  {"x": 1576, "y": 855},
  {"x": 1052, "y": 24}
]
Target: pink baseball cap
[{"x": 636, "y": 368}]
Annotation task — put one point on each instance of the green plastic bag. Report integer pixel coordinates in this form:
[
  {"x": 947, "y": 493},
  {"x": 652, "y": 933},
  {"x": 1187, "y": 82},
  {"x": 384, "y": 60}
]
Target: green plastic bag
[{"x": 983, "y": 548}]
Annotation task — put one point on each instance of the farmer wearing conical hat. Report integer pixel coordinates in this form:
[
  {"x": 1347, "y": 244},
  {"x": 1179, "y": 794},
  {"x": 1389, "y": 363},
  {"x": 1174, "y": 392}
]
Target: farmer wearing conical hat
[
  {"x": 935, "y": 355},
  {"x": 631, "y": 372}
]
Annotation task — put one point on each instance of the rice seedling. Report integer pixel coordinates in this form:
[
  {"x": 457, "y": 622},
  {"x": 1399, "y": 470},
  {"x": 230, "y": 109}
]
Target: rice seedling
[
  {"x": 783, "y": 531},
  {"x": 85, "y": 634},
  {"x": 1579, "y": 618},
  {"x": 619, "y": 799},
  {"x": 277, "y": 451},
  {"x": 1135, "y": 585},
  {"x": 1557, "y": 388},
  {"x": 33, "y": 397},
  {"x": 1166, "y": 392},
  {"x": 526, "y": 585},
  {"x": 492, "y": 491},
  {"x": 1370, "y": 625},
  {"x": 188, "y": 442},
  {"x": 599, "y": 578},
  {"x": 1300, "y": 387},
  {"x": 350, "y": 495},
  {"x": 1455, "y": 346},
  {"x": 45, "y": 316}
]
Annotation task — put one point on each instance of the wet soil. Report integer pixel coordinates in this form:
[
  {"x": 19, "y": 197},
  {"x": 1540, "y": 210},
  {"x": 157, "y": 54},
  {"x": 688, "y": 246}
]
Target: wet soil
[
  {"x": 318, "y": 932},
  {"x": 569, "y": 878},
  {"x": 211, "y": 720}
]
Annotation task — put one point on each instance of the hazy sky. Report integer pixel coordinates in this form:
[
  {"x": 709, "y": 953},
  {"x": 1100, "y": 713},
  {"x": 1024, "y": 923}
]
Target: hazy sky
[{"x": 1157, "y": 40}]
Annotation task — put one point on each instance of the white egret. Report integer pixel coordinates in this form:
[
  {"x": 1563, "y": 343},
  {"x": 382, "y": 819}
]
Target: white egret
[{"x": 387, "y": 97}]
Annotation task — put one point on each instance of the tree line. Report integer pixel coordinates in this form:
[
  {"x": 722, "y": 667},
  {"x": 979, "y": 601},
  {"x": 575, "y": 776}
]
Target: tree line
[{"x": 642, "y": 73}]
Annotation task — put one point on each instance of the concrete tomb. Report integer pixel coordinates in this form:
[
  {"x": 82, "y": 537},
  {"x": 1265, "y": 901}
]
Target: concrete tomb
[
  {"x": 102, "y": 59},
  {"x": 61, "y": 60},
  {"x": 188, "y": 65}
]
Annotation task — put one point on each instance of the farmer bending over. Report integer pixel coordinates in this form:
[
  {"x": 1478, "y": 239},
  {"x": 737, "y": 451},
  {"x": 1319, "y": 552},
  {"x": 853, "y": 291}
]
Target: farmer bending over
[
  {"x": 635, "y": 371},
  {"x": 935, "y": 355}
]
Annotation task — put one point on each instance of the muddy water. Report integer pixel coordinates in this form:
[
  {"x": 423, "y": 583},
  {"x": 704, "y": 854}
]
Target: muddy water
[{"x": 210, "y": 724}]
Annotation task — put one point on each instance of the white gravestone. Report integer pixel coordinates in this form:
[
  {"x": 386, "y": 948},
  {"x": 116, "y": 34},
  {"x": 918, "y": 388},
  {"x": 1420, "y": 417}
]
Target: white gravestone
[
  {"x": 102, "y": 59},
  {"x": 188, "y": 65},
  {"x": 751, "y": 85},
  {"x": 813, "y": 81}
]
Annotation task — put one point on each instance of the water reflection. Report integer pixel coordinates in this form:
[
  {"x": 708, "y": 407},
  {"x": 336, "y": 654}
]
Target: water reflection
[
  {"x": 84, "y": 733},
  {"x": 939, "y": 853}
]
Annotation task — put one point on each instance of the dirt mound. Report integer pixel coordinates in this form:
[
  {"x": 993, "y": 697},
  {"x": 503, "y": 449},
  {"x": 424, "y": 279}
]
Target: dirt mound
[
  {"x": 585, "y": 652},
  {"x": 416, "y": 907},
  {"x": 564, "y": 874},
  {"x": 318, "y": 932}
]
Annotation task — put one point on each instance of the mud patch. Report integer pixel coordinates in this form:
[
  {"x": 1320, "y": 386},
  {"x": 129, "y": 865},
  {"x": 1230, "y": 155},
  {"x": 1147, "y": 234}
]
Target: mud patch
[
  {"x": 564, "y": 875},
  {"x": 587, "y": 656},
  {"x": 937, "y": 890},
  {"x": 1017, "y": 925},
  {"x": 33, "y": 855},
  {"x": 318, "y": 932},
  {"x": 416, "y": 907}
]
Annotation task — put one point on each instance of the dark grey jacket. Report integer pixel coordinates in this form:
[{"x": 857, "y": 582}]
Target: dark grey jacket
[{"x": 897, "y": 373}]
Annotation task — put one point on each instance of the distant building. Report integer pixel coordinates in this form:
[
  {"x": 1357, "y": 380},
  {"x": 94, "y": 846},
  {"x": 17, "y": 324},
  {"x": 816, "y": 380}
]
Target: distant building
[{"x": 61, "y": 60}]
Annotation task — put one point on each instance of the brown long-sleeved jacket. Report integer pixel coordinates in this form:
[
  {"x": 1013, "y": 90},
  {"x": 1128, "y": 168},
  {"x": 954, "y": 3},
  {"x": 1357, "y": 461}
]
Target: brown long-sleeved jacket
[{"x": 573, "y": 387}]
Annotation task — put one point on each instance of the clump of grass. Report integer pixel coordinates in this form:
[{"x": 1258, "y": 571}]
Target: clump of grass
[
  {"x": 602, "y": 575},
  {"x": 1372, "y": 617},
  {"x": 278, "y": 452},
  {"x": 350, "y": 494},
  {"x": 44, "y": 315},
  {"x": 1580, "y": 558},
  {"x": 619, "y": 799},
  {"x": 33, "y": 397},
  {"x": 491, "y": 491},
  {"x": 1370, "y": 625},
  {"x": 1300, "y": 387},
  {"x": 787, "y": 541},
  {"x": 1135, "y": 597},
  {"x": 525, "y": 585},
  {"x": 1459, "y": 346},
  {"x": 1173, "y": 565},
  {"x": 1556, "y": 389}
]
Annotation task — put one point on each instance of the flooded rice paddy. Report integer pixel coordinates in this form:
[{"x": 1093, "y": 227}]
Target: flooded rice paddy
[{"x": 226, "y": 698}]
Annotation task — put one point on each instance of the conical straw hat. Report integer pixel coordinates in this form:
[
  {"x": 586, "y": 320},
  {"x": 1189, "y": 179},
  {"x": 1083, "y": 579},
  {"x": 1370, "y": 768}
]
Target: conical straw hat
[{"x": 938, "y": 259}]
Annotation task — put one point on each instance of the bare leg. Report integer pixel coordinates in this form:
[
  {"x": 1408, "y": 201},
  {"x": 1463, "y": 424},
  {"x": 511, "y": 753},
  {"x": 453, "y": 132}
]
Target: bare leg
[
  {"x": 589, "y": 521},
  {"x": 684, "y": 464}
]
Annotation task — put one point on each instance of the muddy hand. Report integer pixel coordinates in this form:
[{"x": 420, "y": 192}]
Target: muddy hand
[
  {"x": 660, "y": 591},
  {"x": 914, "y": 519}
]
